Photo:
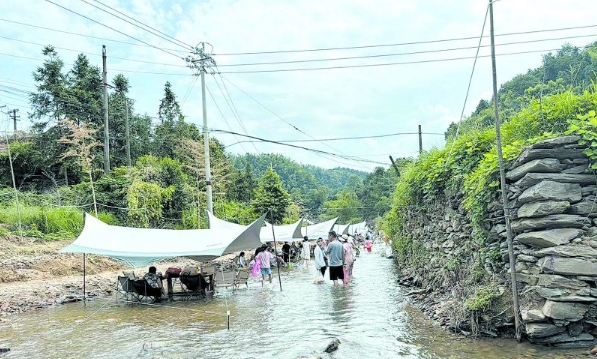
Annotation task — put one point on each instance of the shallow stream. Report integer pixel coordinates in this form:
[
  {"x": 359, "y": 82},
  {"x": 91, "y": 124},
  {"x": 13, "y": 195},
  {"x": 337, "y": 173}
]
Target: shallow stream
[{"x": 371, "y": 318}]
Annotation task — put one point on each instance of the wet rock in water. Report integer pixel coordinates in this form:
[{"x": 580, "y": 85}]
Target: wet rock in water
[
  {"x": 4, "y": 350},
  {"x": 333, "y": 346}
]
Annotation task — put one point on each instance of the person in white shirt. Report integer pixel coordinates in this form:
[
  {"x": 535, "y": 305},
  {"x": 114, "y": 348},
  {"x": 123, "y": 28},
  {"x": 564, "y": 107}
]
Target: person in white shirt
[
  {"x": 241, "y": 262},
  {"x": 320, "y": 259},
  {"x": 306, "y": 252}
]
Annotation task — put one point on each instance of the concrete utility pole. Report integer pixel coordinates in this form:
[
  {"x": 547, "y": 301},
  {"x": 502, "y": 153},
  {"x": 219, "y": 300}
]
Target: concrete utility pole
[
  {"x": 206, "y": 142},
  {"x": 420, "y": 141},
  {"x": 106, "y": 123},
  {"x": 127, "y": 131},
  {"x": 498, "y": 137},
  {"x": 14, "y": 119},
  {"x": 202, "y": 64}
]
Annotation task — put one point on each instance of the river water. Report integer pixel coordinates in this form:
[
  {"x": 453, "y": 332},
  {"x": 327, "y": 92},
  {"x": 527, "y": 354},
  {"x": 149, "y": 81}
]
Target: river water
[{"x": 371, "y": 318}]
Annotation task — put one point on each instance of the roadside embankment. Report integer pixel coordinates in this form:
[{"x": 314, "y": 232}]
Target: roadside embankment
[{"x": 460, "y": 273}]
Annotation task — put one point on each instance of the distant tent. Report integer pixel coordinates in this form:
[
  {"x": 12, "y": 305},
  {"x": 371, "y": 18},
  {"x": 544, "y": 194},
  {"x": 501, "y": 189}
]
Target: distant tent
[
  {"x": 141, "y": 246},
  {"x": 360, "y": 228},
  {"x": 319, "y": 230},
  {"x": 284, "y": 233},
  {"x": 288, "y": 232},
  {"x": 341, "y": 228}
]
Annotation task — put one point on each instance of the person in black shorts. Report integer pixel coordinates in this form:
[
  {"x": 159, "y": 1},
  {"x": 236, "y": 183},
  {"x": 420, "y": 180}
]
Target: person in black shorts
[{"x": 335, "y": 252}]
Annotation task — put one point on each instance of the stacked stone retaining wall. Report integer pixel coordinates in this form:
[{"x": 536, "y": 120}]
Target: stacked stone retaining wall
[{"x": 552, "y": 197}]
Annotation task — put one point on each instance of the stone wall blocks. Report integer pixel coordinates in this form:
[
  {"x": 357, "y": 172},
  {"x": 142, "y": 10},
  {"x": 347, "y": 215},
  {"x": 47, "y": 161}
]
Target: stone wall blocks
[
  {"x": 557, "y": 142},
  {"x": 551, "y": 190},
  {"x": 544, "y": 208},
  {"x": 543, "y": 330},
  {"x": 570, "y": 311},
  {"x": 553, "y": 221},
  {"x": 567, "y": 266},
  {"x": 544, "y": 165},
  {"x": 530, "y": 154}
]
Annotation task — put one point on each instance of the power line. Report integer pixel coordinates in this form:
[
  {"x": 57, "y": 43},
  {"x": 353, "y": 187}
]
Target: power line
[
  {"x": 402, "y": 53},
  {"x": 88, "y": 36},
  {"x": 384, "y": 64},
  {"x": 356, "y": 137},
  {"x": 283, "y": 120},
  {"x": 405, "y": 43},
  {"x": 91, "y": 53},
  {"x": 188, "y": 91},
  {"x": 233, "y": 109},
  {"x": 146, "y": 28},
  {"x": 470, "y": 81},
  {"x": 115, "y": 70},
  {"x": 222, "y": 114},
  {"x": 113, "y": 29},
  {"x": 139, "y": 22},
  {"x": 346, "y": 157}
]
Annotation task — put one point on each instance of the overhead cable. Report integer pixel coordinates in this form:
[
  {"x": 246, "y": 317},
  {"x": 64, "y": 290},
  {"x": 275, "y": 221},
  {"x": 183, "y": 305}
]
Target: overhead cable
[
  {"x": 403, "y": 53},
  {"x": 85, "y": 35},
  {"x": 405, "y": 43},
  {"x": 184, "y": 44},
  {"x": 347, "y": 157},
  {"x": 144, "y": 27},
  {"x": 113, "y": 29},
  {"x": 383, "y": 64}
]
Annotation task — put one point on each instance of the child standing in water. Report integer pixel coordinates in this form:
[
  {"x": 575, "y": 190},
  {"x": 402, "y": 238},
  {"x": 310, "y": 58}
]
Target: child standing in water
[{"x": 368, "y": 244}]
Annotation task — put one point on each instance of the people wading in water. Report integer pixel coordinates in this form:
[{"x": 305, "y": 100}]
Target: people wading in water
[
  {"x": 306, "y": 253},
  {"x": 320, "y": 259},
  {"x": 349, "y": 257},
  {"x": 335, "y": 252}
]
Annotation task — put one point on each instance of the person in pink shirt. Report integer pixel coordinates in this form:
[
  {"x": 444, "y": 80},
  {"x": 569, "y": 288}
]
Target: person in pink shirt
[
  {"x": 265, "y": 257},
  {"x": 368, "y": 245}
]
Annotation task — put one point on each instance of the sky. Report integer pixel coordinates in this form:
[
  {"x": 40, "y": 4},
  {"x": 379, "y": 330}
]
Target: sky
[{"x": 422, "y": 86}]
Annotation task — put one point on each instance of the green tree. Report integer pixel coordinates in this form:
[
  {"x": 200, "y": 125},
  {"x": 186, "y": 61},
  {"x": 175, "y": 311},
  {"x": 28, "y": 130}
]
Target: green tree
[
  {"x": 242, "y": 185},
  {"x": 169, "y": 110},
  {"x": 84, "y": 93},
  {"x": 270, "y": 195},
  {"x": 172, "y": 130},
  {"x": 49, "y": 102},
  {"x": 375, "y": 194},
  {"x": 345, "y": 206}
]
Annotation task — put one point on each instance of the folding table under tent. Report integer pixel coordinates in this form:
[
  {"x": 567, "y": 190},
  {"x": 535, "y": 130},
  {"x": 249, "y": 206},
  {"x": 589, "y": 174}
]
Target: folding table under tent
[
  {"x": 319, "y": 230},
  {"x": 284, "y": 233},
  {"x": 138, "y": 247}
]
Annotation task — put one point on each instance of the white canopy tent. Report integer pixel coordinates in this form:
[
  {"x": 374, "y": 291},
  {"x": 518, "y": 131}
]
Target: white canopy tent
[
  {"x": 319, "y": 230},
  {"x": 360, "y": 228},
  {"x": 141, "y": 246},
  {"x": 285, "y": 233},
  {"x": 289, "y": 232},
  {"x": 341, "y": 228}
]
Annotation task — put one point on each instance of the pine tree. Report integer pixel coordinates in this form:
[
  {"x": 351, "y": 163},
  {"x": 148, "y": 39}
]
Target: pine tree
[
  {"x": 169, "y": 110},
  {"x": 49, "y": 102},
  {"x": 84, "y": 94},
  {"x": 270, "y": 195}
]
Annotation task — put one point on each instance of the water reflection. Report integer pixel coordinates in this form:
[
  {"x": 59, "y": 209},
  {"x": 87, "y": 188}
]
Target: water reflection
[{"x": 371, "y": 319}]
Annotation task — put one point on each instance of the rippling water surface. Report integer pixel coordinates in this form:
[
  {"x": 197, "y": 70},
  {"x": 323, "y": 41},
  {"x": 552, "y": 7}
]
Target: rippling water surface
[{"x": 371, "y": 318}]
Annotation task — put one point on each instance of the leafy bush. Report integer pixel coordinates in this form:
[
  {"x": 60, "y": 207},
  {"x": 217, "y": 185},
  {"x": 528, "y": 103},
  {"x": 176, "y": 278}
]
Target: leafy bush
[{"x": 482, "y": 298}]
